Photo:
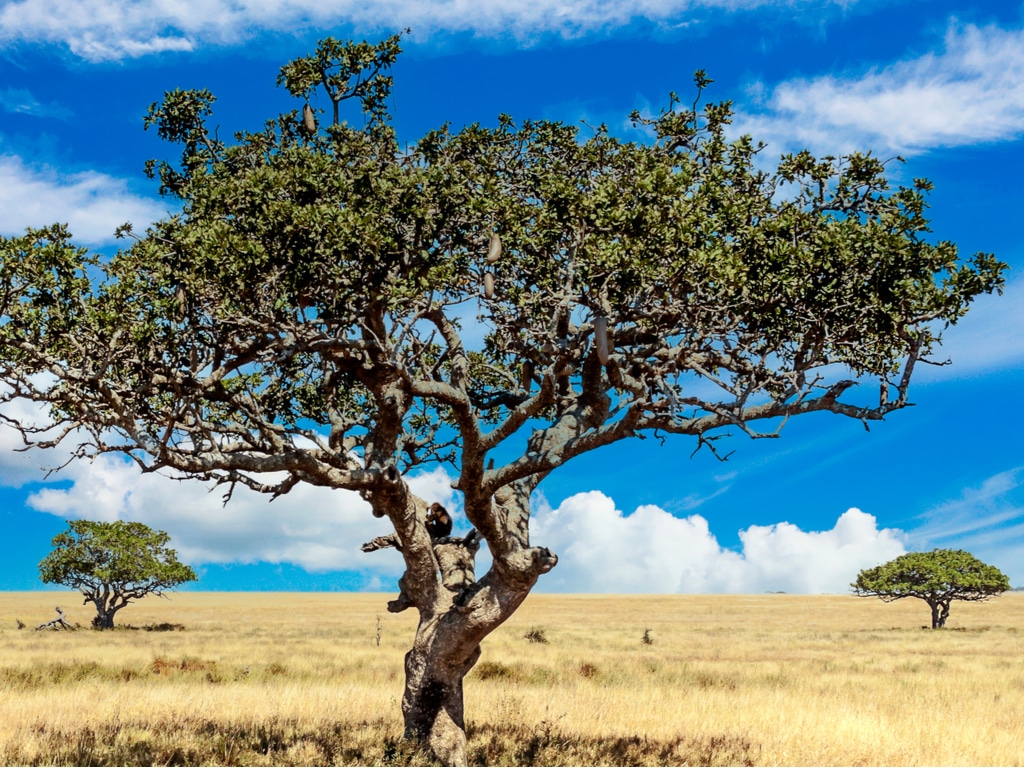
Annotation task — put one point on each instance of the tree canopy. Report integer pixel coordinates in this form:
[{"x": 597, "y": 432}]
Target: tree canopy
[
  {"x": 303, "y": 318},
  {"x": 938, "y": 577},
  {"x": 113, "y": 564}
]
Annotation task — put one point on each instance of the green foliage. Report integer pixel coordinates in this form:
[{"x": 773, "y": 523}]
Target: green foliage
[
  {"x": 937, "y": 577},
  {"x": 313, "y": 282},
  {"x": 113, "y": 564},
  {"x": 346, "y": 70}
]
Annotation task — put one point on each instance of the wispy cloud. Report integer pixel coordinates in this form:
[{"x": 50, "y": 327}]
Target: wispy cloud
[
  {"x": 987, "y": 339},
  {"x": 969, "y": 92},
  {"x": 987, "y": 519},
  {"x": 100, "y": 30},
  {"x": 978, "y": 509},
  {"x": 92, "y": 203},
  {"x": 651, "y": 551},
  {"x": 22, "y": 102}
]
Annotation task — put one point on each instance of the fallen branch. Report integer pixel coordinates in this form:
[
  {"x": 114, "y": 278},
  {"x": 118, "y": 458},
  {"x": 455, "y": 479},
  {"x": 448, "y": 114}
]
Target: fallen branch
[{"x": 58, "y": 623}]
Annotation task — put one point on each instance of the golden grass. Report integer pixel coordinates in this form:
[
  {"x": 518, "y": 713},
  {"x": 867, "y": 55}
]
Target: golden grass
[{"x": 300, "y": 679}]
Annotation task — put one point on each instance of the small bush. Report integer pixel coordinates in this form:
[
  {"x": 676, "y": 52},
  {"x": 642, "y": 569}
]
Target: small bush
[
  {"x": 536, "y": 635},
  {"x": 164, "y": 627},
  {"x": 647, "y": 639}
]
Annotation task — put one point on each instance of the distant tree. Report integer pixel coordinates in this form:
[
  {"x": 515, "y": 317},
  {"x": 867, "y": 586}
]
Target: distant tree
[
  {"x": 938, "y": 577},
  {"x": 113, "y": 564},
  {"x": 300, "y": 318}
]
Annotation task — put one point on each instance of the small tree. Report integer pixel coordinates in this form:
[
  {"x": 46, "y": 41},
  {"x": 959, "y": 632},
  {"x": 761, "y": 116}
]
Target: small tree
[
  {"x": 113, "y": 564},
  {"x": 938, "y": 577},
  {"x": 300, "y": 319}
]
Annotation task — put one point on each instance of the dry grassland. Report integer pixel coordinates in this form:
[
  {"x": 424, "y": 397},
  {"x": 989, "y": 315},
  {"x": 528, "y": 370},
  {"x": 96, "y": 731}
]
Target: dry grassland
[{"x": 726, "y": 680}]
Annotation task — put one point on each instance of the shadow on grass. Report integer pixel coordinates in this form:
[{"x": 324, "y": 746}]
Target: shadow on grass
[{"x": 203, "y": 741}]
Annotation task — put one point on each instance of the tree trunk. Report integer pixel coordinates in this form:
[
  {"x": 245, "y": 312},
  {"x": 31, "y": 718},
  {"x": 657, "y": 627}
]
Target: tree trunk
[
  {"x": 105, "y": 610},
  {"x": 456, "y": 611},
  {"x": 433, "y": 701},
  {"x": 446, "y": 648},
  {"x": 940, "y": 612}
]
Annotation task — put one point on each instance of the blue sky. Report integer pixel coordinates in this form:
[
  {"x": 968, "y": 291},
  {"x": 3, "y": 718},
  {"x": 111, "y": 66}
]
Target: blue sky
[{"x": 939, "y": 82}]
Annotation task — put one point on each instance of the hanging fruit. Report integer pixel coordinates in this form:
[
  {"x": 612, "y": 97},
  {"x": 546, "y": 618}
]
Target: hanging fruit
[
  {"x": 488, "y": 286},
  {"x": 308, "y": 119},
  {"x": 494, "y": 249},
  {"x": 182, "y": 298}
]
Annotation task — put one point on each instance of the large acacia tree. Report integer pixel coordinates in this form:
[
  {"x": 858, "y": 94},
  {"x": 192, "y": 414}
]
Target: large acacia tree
[
  {"x": 938, "y": 577},
  {"x": 300, "y": 320},
  {"x": 113, "y": 564}
]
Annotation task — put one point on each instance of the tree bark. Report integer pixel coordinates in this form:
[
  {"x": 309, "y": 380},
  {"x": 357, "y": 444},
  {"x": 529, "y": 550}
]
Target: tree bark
[{"x": 432, "y": 704}]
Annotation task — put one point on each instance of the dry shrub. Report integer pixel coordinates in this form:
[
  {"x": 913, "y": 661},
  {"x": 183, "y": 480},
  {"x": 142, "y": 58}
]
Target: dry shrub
[
  {"x": 165, "y": 626},
  {"x": 536, "y": 635},
  {"x": 495, "y": 670}
]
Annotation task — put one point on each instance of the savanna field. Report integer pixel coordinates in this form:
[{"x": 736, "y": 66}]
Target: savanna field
[{"x": 316, "y": 679}]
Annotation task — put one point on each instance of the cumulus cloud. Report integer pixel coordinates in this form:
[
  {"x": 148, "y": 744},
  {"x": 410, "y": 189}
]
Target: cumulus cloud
[
  {"x": 971, "y": 91},
  {"x": 650, "y": 551},
  {"x": 314, "y": 528},
  {"x": 93, "y": 204},
  {"x": 600, "y": 549},
  {"x": 101, "y": 30}
]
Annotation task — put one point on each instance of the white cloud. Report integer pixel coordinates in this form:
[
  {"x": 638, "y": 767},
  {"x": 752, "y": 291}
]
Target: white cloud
[
  {"x": 599, "y": 548},
  {"x": 18, "y": 466},
  {"x": 602, "y": 550},
  {"x": 313, "y": 528},
  {"x": 100, "y": 30},
  {"x": 970, "y": 92},
  {"x": 93, "y": 204}
]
